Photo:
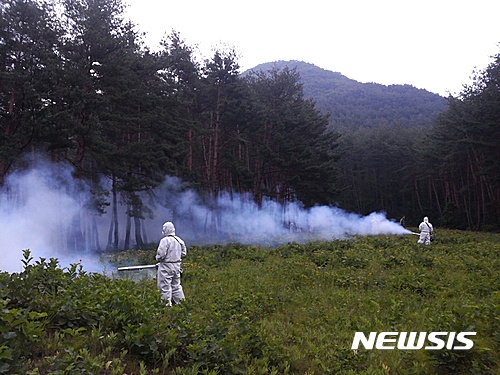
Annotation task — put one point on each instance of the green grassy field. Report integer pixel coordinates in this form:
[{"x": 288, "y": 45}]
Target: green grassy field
[{"x": 291, "y": 309}]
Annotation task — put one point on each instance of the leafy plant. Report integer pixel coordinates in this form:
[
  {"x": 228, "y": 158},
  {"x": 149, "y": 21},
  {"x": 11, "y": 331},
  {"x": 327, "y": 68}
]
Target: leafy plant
[{"x": 259, "y": 310}]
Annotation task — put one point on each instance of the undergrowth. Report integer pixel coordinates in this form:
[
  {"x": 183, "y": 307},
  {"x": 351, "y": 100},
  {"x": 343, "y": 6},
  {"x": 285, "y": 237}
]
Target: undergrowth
[{"x": 291, "y": 309}]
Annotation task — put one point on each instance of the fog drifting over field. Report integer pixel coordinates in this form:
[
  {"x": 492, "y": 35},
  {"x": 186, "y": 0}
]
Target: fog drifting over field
[{"x": 46, "y": 210}]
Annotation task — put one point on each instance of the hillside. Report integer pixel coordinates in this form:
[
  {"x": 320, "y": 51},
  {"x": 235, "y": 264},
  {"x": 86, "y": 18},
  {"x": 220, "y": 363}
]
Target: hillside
[{"x": 354, "y": 104}]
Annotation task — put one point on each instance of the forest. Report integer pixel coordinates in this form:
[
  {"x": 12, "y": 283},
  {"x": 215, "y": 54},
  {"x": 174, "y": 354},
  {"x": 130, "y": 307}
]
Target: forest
[
  {"x": 352, "y": 104},
  {"x": 78, "y": 86}
]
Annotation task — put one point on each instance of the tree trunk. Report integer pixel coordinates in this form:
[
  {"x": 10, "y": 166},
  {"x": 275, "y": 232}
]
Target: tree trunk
[
  {"x": 115, "y": 215},
  {"x": 126, "y": 245},
  {"x": 95, "y": 236},
  {"x": 138, "y": 236}
]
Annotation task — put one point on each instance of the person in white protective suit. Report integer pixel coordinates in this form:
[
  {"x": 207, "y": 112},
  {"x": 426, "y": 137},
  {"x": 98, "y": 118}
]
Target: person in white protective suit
[
  {"x": 426, "y": 230},
  {"x": 170, "y": 252}
]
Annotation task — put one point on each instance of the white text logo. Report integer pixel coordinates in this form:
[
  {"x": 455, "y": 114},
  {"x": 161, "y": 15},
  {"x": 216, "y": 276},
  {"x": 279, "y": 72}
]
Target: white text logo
[{"x": 414, "y": 340}]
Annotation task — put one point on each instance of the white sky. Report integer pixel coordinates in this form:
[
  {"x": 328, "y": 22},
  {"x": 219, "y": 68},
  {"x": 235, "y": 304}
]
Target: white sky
[{"x": 430, "y": 44}]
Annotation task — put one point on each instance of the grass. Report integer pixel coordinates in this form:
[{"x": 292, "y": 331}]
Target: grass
[{"x": 291, "y": 309}]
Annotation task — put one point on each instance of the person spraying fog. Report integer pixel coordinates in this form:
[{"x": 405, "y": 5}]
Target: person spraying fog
[
  {"x": 171, "y": 250},
  {"x": 426, "y": 231}
]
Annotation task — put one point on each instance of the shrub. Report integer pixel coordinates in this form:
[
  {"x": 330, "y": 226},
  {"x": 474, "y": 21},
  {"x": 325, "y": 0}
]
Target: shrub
[{"x": 258, "y": 310}]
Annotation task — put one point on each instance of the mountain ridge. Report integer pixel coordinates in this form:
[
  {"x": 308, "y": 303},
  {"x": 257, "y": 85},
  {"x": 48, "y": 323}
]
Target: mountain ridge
[{"x": 354, "y": 104}]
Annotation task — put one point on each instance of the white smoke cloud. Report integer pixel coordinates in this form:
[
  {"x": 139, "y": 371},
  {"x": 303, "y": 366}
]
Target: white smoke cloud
[
  {"x": 237, "y": 218},
  {"x": 38, "y": 208},
  {"x": 41, "y": 209}
]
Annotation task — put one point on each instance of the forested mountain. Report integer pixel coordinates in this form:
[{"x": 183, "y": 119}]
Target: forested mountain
[{"x": 353, "y": 104}]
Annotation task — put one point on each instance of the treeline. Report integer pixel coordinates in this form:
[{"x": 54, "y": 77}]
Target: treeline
[
  {"x": 404, "y": 151},
  {"x": 78, "y": 85},
  {"x": 449, "y": 171}
]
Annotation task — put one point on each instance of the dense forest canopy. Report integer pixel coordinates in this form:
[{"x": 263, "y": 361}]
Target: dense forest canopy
[
  {"x": 352, "y": 104},
  {"x": 78, "y": 86}
]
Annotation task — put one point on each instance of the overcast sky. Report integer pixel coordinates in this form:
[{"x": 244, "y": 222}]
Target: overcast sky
[{"x": 430, "y": 44}]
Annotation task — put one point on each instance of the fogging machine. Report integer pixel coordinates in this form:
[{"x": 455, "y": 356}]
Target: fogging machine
[{"x": 138, "y": 268}]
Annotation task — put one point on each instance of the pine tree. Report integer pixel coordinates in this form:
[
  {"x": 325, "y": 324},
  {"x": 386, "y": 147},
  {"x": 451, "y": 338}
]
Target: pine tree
[
  {"x": 219, "y": 112},
  {"x": 118, "y": 114},
  {"x": 29, "y": 37},
  {"x": 293, "y": 154},
  {"x": 464, "y": 148}
]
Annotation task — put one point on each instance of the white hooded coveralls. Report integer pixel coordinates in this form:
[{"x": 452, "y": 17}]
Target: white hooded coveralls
[
  {"x": 170, "y": 252},
  {"x": 425, "y": 229}
]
